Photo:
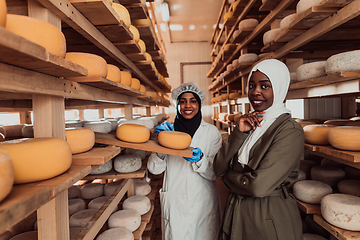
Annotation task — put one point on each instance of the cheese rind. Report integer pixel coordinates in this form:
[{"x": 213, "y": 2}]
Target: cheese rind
[
  {"x": 286, "y": 21},
  {"x": 73, "y": 191},
  {"x": 113, "y": 73},
  {"x": 123, "y": 13},
  {"x": 96, "y": 65},
  {"x": 127, "y": 163},
  {"x": 103, "y": 168},
  {"x": 248, "y": 23},
  {"x": 75, "y": 205},
  {"x": 135, "y": 33},
  {"x": 80, "y": 140},
  {"x": 81, "y": 218},
  {"x": 270, "y": 35},
  {"x": 142, "y": 188},
  {"x": 345, "y": 138},
  {"x": 135, "y": 83},
  {"x": 343, "y": 62},
  {"x": 129, "y": 219},
  {"x": 99, "y": 126},
  {"x": 109, "y": 188},
  {"x": 92, "y": 190},
  {"x": 142, "y": 45},
  {"x": 349, "y": 186},
  {"x": 327, "y": 174},
  {"x": 174, "y": 139},
  {"x": 304, "y": 5},
  {"x": 310, "y": 70},
  {"x": 134, "y": 133},
  {"x": 6, "y": 174},
  {"x": 138, "y": 203},
  {"x": 3, "y": 12},
  {"x": 311, "y": 191},
  {"x": 317, "y": 134},
  {"x": 125, "y": 78},
  {"x": 118, "y": 233}
]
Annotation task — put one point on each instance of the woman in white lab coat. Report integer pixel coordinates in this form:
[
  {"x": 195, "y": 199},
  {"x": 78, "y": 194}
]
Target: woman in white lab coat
[{"x": 190, "y": 206}]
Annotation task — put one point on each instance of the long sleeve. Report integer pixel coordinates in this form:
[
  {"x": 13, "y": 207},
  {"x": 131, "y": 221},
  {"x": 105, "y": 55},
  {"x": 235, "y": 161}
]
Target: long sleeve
[{"x": 156, "y": 163}]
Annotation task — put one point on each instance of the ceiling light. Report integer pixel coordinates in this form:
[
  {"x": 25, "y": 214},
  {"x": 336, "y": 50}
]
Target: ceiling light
[
  {"x": 165, "y": 13},
  {"x": 163, "y": 27},
  {"x": 191, "y": 27},
  {"x": 176, "y": 27}
]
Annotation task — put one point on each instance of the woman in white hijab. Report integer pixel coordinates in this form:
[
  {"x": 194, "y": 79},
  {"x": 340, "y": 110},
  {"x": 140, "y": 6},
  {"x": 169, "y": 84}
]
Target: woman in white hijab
[{"x": 259, "y": 160}]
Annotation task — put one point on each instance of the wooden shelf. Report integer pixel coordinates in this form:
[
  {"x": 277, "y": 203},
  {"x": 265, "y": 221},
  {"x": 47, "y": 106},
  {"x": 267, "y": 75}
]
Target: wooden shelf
[
  {"x": 138, "y": 233},
  {"x": 96, "y": 156},
  {"x": 308, "y": 208}
]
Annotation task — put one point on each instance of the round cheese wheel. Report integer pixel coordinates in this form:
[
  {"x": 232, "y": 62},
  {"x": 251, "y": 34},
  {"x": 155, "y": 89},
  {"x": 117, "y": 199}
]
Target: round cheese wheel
[
  {"x": 229, "y": 67},
  {"x": 81, "y": 218},
  {"x": 31, "y": 235},
  {"x": 123, "y": 13},
  {"x": 310, "y": 70},
  {"x": 248, "y": 23},
  {"x": 293, "y": 77},
  {"x": 306, "y": 166},
  {"x": 286, "y": 21},
  {"x": 317, "y": 134},
  {"x": 97, "y": 203},
  {"x": 311, "y": 191},
  {"x": 103, "y": 168},
  {"x": 142, "y": 45},
  {"x": 6, "y": 174},
  {"x": 135, "y": 83},
  {"x": 40, "y": 32},
  {"x": 352, "y": 173},
  {"x": 80, "y": 140},
  {"x": 28, "y": 131},
  {"x": 342, "y": 210},
  {"x": 270, "y": 35},
  {"x": 73, "y": 124},
  {"x": 110, "y": 188},
  {"x": 75, "y": 205},
  {"x": 113, "y": 73},
  {"x": 13, "y": 130},
  {"x": 92, "y": 190},
  {"x": 312, "y": 236},
  {"x": 248, "y": 57},
  {"x": 304, "y": 5},
  {"x": 135, "y": 33},
  {"x": 343, "y": 62},
  {"x": 129, "y": 219},
  {"x": 237, "y": 117},
  {"x": 96, "y": 65},
  {"x": 174, "y": 139},
  {"x": 138, "y": 203},
  {"x": 118, "y": 233},
  {"x": 31, "y": 159},
  {"x": 228, "y": 15},
  {"x": 345, "y": 138},
  {"x": 142, "y": 188},
  {"x": 3, "y": 12},
  {"x": 125, "y": 78},
  {"x": 338, "y": 122},
  {"x": 6, "y": 235},
  {"x": 142, "y": 88},
  {"x": 235, "y": 63},
  {"x": 73, "y": 191},
  {"x": 140, "y": 153},
  {"x": 99, "y": 126},
  {"x": 234, "y": 95},
  {"x": 74, "y": 231},
  {"x": 134, "y": 133},
  {"x": 349, "y": 186},
  {"x": 327, "y": 174},
  {"x": 127, "y": 163}
]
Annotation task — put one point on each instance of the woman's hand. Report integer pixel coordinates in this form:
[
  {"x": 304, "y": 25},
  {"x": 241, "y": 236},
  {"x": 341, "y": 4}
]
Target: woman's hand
[{"x": 249, "y": 121}]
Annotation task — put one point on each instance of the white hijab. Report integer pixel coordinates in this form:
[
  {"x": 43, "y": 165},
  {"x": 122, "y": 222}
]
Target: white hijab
[{"x": 279, "y": 76}]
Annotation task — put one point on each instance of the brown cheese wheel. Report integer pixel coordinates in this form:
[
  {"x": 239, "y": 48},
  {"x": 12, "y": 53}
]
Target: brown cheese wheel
[
  {"x": 317, "y": 134},
  {"x": 328, "y": 174},
  {"x": 134, "y": 133},
  {"x": 349, "y": 186},
  {"x": 174, "y": 139},
  {"x": 345, "y": 138}
]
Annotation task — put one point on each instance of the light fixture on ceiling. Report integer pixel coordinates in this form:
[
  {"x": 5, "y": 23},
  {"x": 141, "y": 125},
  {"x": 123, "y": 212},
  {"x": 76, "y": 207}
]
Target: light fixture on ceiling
[{"x": 165, "y": 13}]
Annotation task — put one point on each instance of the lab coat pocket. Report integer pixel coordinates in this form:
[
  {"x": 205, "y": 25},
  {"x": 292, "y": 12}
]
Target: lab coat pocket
[{"x": 271, "y": 229}]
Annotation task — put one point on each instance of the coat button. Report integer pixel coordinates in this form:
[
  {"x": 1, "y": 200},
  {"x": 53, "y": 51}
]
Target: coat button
[{"x": 244, "y": 181}]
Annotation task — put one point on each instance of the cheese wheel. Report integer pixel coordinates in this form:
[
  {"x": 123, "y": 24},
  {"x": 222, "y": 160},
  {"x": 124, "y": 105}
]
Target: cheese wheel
[
  {"x": 125, "y": 78},
  {"x": 76, "y": 205},
  {"x": 129, "y": 219},
  {"x": 317, "y": 134},
  {"x": 286, "y": 21},
  {"x": 338, "y": 122},
  {"x": 349, "y": 186},
  {"x": 142, "y": 188},
  {"x": 304, "y": 5},
  {"x": 103, "y": 168},
  {"x": 142, "y": 45},
  {"x": 140, "y": 153},
  {"x": 248, "y": 23},
  {"x": 174, "y": 139},
  {"x": 230, "y": 67},
  {"x": 248, "y": 57},
  {"x": 234, "y": 95},
  {"x": 80, "y": 140},
  {"x": 237, "y": 117},
  {"x": 134, "y": 133},
  {"x": 311, "y": 191},
  {"x": 37, "y": 159},
  {"x": 135, "y": 83},
  {"x": 342, "y": 210},
  {"x": 345, "y": 138},
  {"x": 113, "y": 73},
  {"x": 138, "y": 203},
  {"x": 81, "y": 218},
  {"x": 109, "y": 188},
  {"x": 123, "y": 13},
  {"x": 327, "y": 174},
  {"x": 27, "y": 131},
  {"x": 293, "y": 77},
  {"x": 135, "y": 33},
  {"x": 114, "y": 123},
  {"x": 228, "y": 15},
  {"x": 13, "y": 130},
  {"x": 99, "y": 126},
  {"x": 312, "y": 236},
  {"x": 97, "y": 203},
  {"x": 118, "y": 233},
  {"x": 6, "y": 174},
  {"x": 73, "y": 191},
  {"x": 74, "y": 231},
  {"x": 127, "y": 163},
  {"x": 142, "y": 22},
  {"x": 91, "y": 190},
  {"x": 96, "y": 65},
  {"x": 3, "y": 12},
  {"x": 352, "y": 172},
  {"x": 306, "y": 166},
  {"x": 6, "y": 235},
  {"x": 73, "y": 124},
  {"x": 310, "y": 70},
  {"x": 270, "y": 35},
  {"x": 142, "y": 88},
  {"x": 235, "y": 63},
  {"x": 31, "y": 235},
  {"x": 40, "y": 32}
]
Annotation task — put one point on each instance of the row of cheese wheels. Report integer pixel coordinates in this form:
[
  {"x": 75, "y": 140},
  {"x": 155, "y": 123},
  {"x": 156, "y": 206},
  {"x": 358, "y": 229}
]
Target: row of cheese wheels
[
  {"x": 224, "y": 97},
  {"x": 225, "y": 117}
]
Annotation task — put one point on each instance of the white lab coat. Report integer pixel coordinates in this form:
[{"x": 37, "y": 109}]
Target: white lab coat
[{"x": 190, "y": 206}]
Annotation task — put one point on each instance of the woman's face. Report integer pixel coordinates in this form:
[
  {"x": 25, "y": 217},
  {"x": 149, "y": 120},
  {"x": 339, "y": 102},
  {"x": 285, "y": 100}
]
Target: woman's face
[
  {"x": 189, "y": 107},
  {"x": 260, "y": 93}
]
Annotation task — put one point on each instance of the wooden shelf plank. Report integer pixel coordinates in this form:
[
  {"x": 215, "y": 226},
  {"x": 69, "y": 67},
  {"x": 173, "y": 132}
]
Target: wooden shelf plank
[
  {"x": 137, "y": 11},
  {"x": 138, "y": 232},
  {"x": 151, "y": 145},
  {"x": 349, "y": 156},
  {"x": 96, "y": 156},
  {"x": 308, "y": 208},
  {"x": 269, "y": 5},
  {"x": 149, "y": 225},
  {"x": 116, "y": 32},
  {"x": 339, "y": 233},
  {"x": 147, "y": 216},
  {"x": 335, "y": 3},
  {"x": 128, "y": 47},
  {"x": 244, "y": 32},
  {"x": 312, "y": 17}
]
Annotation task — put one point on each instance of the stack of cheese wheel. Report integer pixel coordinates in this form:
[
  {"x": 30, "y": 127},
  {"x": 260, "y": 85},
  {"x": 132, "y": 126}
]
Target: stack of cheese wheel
[
  {"x": 135, "y": 33},
  {"x": 103, "y": 168},
  {"x": 6, "y": 174},
  {"x": 81, "y": 218},
  {"x": 270, "y": 35},
  {"x": 134, "y": 133},
  {"x": 129, "y": 219},
  {"x": 248, "y": 57},
  {"x": 3, "y": 12},
  {"x": 127, "y": 163},
  {"x": 317, "y": 134},
  {"x": 343, "y": 62},
  {"x": 311, "y": 191},
  {"x": 135, "y": 83},
  {"x": 123, "y": 13},
  {"x": 138, "y": 203},
  {"x": 113, "y": 73},
  {"x": 250, "y": 23},
  {"x": 349, "y": 186},
  {"x": 286, "y": 21},
  {"x": 99, "y": 126},
  {"x": 120, "y": 233},
  {"x": 125, "y": 78},
  {"x": 92, "y": 190},
  {"x": 304, "y": 5},
  {"x": 40, "y": 32},
  {"x": 37, "y": 159},
  {"x": 80, "y": 140},
  {"x": 345, "y": 138},
  {"x": 76, "y": 205},
  {"x": 328, "y": 174},
  {"x": 310, "y": 70},
  {"x": 96, "y": 65},
  {"x": 174, "y": 139}
]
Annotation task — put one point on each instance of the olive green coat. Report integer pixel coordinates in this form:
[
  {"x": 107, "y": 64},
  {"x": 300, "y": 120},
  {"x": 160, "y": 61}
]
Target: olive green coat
[{"x": 258, "y": 206}]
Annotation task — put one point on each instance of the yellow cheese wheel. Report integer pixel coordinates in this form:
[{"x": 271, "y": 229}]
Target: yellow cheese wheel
[
  {"x": 110, "y": 2},
  {"x": 174, "y": 139},
  {"x": 228, "y": 15},
  {"x": 135, "y": 133},
  {"x": 235, "y": 95},
  {"x": 113, "y": 73},
  {"x": 142, "y": 88},
  {"x": 345, "y": 138},
  {"x": 40, "y": 32},
  {"x": 123, "y": 13},
  {"x": 317, "y": 134},
  {"x": 135, "y": 83},
  {"x": 96, "y": 65},
  {"x": 125, "y": 78},
  {"x": 142, "y": 45},
  {"x": 37, "y": 159},
  {"x": 142, "y": 22},
  {"x": 135, "y": 33},
  {"x": 6, "y": 174},
  {"x": 3, "y": 12},
  {"x": 80, "y": 140}
]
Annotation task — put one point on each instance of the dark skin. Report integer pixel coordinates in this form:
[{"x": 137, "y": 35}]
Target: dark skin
[
  {"x": 189, "y": 106},
  {"x": 261, "y": 97}
]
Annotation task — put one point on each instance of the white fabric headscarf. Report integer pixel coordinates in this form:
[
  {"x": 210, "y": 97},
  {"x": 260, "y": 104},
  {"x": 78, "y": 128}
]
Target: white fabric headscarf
[{"x": 279, "y": 76}]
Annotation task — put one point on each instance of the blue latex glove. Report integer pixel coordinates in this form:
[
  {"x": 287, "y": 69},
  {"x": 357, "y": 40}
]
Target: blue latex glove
[
  {"x": 165, "y": 126},
  {"x": 197, "y": 154}
]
